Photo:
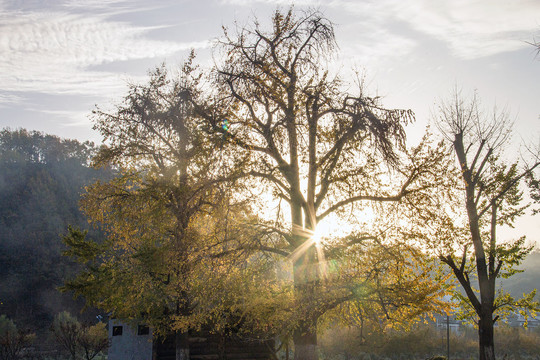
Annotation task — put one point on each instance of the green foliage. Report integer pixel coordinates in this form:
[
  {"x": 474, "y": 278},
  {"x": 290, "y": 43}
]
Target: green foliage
[
  {"x": 533, "y": 183},
  {"x": 79, "y": 248},
  {"x": 511, "y": 255}
]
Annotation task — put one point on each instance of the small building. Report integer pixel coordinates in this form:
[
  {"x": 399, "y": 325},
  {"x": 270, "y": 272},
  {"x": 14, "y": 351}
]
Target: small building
[
  {"x": 136, "y": 342},
  {"x": 128, "y": 342},
  {"x": 518, "y": 320}
]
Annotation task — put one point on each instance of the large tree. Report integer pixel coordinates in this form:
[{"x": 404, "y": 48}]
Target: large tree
[
  {"x": 321, "y": 149},
  {"x": 491, "y": 197},
  {"x": 172, "y": 255},
  {"x": 193, "y": 152},
  {"x": 165, "y": 170}
]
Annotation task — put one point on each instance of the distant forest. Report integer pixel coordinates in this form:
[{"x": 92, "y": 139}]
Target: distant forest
[{"x": 41, "y": 180}]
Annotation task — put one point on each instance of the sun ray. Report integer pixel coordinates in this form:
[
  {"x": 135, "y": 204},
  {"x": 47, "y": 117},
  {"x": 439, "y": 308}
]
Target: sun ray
[{"x": 312, "y": 238}]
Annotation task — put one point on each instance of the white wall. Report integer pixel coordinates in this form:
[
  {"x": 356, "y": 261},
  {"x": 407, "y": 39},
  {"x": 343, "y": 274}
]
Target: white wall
[{"x": 129, "y": 345}]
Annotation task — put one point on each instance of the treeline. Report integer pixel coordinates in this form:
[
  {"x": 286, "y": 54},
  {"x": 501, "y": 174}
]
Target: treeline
[
  {"x": 67, "y": 338},
  {"x": 41, "y": 180}
]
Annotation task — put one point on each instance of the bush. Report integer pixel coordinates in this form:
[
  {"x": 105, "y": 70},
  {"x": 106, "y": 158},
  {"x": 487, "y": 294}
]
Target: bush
[
  {"x": 79, "y": 341},
  {"x": 12, "y": 340}
]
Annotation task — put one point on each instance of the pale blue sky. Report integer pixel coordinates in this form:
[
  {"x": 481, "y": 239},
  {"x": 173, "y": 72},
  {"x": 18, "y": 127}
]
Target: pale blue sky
[{"x": 60, "y": 57}]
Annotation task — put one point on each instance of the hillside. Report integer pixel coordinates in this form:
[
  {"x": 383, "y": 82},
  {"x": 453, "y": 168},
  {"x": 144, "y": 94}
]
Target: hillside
[
  {"x": 41, "y": 180},
  {"x": 527, "y": 280}
]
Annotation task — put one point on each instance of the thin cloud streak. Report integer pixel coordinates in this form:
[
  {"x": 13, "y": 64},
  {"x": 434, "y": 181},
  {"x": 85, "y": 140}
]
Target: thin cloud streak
[
  {"x": 7, "y": 99},
  {"x": 470, "y": 28},
  {"x": 70, "y": 118}
]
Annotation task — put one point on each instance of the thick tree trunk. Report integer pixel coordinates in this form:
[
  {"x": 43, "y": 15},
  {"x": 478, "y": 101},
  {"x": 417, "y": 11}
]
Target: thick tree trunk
[
  {"x": 305, "y": 343},
  {"x": 306, "y": 279},
  {"x": 182, "y": 345},
  {"x": 485, "y": 336}
]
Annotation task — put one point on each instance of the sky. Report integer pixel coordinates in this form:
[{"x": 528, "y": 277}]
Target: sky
[{"x": 59, "y": 58}]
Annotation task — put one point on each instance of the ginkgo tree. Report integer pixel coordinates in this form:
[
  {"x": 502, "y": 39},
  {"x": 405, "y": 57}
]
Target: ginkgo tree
[
  {"x": 197, "y": 155},
  {"x": 483, "y": 194},
  {"x": 168, "y": 173},
  {"x": 324, "y": 151}
]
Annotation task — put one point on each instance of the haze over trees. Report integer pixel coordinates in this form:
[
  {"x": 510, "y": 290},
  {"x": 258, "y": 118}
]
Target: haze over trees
[{"x": 41, "y": 181}]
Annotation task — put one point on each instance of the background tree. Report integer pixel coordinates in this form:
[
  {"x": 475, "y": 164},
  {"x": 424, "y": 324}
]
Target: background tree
[
  {"x": 321, "y": 150},
  {"x": 491, "y": 197},
  {"x": 67, "y": 330},
  {"x": 94, "y": 340}
]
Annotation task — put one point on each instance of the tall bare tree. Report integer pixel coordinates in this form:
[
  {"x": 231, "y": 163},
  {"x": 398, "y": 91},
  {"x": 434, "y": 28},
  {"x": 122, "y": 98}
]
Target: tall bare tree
[{"x": 492, "y": 198}]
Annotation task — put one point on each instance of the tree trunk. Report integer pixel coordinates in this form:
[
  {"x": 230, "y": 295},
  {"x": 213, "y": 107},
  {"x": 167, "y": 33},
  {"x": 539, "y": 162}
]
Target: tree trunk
[
  {"x": 305, "y": 342},
  {"x": 485, "y": 335},
  {"x": 182, "y": 345},
  {"x": 306, "y": 279}
]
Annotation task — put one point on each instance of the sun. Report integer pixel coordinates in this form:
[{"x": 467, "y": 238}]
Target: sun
[
  {"x": 330, "y": 228},
  {"x": 323, "y": 230}
]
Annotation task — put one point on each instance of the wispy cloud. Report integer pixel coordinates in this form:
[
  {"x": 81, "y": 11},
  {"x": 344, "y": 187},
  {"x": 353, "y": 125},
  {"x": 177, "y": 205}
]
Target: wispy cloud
[
  {"x": 94, "y": 4},
  {"x": 110, "y": 7},
  {"x": 51, "y": 51},
  {"x": 71, "y": 118},
  {"x": 469, "y": 28},
  {"x": 474, "y": 28}
]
